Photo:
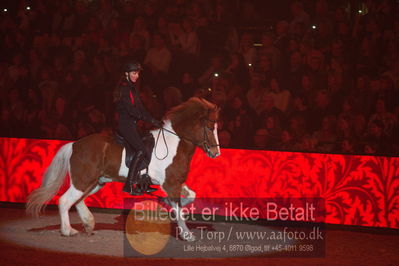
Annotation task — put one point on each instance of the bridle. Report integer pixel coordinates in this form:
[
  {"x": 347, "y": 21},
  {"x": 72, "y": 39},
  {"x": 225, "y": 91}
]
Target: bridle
[{"x": 205, "y": 143}]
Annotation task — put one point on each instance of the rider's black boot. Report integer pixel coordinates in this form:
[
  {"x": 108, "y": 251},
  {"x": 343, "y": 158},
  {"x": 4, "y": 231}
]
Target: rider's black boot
[
  {"x": 145, "y": 184},
  {"x": 132, "y": 177},
  {"x": 135, "y": 184}
]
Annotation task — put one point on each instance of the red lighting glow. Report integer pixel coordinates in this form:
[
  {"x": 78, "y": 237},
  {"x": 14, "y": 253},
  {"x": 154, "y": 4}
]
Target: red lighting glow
[{"x": 358, "y": 190}]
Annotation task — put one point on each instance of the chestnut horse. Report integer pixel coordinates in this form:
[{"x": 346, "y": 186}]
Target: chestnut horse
[{"x": 97, "y": 159}]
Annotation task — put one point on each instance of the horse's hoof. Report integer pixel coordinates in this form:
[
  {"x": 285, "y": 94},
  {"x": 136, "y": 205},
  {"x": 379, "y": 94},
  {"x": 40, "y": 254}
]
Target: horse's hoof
[
  {"x": 188, "y": 237},
  {"x": 71, "y": 232},
  {"x": 186, "y": 201},
  {"x": 89, "y": 232},
  {"x": 88, "y": 229}
]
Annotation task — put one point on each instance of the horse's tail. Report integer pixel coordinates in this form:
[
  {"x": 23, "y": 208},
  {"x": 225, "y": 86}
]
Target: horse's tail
[{"x": 52, "y": 181}]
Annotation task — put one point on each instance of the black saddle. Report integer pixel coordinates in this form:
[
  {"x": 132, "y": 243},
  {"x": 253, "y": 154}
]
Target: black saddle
[{"x": 149, "y": 142}]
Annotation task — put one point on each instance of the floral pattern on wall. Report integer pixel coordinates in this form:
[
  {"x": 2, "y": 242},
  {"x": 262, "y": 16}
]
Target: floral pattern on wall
[{"x": 357, "y": 190}]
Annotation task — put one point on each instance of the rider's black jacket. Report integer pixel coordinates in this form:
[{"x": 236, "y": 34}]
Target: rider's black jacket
[
  {"x": 135, "y": 111},
  {"x": 130, "y": 112}
]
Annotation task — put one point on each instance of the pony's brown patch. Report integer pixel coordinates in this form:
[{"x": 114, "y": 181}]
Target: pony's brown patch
[
  {"x": 189, "y": 112},
  {"x": 176, "y": 173},
  {"x": 94, "y": 156},
  {"x": 187, "y": 121}
]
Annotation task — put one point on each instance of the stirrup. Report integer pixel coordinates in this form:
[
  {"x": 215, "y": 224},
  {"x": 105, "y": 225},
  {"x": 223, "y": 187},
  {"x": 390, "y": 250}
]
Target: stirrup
[
  {"x": 136, "y": 191},
  {"x": 127, "y": 187},
  {"x": 145, "y": 184},
  {"x": 150, "y": 189}
]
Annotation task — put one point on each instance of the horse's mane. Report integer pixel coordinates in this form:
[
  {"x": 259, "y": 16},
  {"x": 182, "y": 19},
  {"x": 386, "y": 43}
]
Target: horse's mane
[{"x": 188, "y": 111}]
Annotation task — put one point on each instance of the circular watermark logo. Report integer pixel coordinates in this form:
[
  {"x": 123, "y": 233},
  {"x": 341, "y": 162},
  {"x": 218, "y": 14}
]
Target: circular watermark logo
[{"x": 148, "y": 227}]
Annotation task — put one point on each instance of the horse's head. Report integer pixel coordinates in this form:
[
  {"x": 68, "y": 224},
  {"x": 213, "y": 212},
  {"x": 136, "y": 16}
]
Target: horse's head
[
  {"x": 195, "y": 121},
  {"x": 210, "y": 141}
]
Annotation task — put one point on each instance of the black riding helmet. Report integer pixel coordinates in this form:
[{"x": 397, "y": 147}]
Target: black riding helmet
[{"x": 132, "y": 65}]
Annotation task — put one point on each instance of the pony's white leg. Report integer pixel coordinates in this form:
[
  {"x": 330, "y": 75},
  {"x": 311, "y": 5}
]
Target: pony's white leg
[
  {"x": 85, "y": 214},
  {"x": 182, "y": 228},
  {"x": 70, "y": 197},
  {"x": 188, "y": 194}
]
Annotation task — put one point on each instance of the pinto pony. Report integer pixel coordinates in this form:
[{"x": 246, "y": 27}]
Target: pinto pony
[{"x": 97, "y": 159}]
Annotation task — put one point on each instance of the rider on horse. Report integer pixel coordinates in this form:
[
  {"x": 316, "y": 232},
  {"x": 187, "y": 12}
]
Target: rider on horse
[{"x": 131, "y": 109}]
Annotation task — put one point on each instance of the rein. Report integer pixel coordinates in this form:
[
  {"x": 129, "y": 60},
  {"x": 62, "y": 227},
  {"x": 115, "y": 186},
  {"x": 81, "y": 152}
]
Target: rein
[
  {"x": 164, "y": 140},
  {"x": 205, "y": 142}
]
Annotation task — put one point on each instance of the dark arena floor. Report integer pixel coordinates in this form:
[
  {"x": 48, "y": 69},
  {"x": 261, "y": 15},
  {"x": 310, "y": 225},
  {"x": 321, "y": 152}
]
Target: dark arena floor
[{"x": 28, "y": 241}]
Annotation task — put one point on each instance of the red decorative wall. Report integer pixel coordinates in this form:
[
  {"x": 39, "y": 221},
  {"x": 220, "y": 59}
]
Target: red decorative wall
[{"x": 358, "y": 190}]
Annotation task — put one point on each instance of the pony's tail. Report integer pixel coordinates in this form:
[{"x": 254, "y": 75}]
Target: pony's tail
[{"x": 52, "y": 181}]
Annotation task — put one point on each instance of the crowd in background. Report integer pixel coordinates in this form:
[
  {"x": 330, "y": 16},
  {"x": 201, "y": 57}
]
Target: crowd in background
[{"x": 319, "y": 76}]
